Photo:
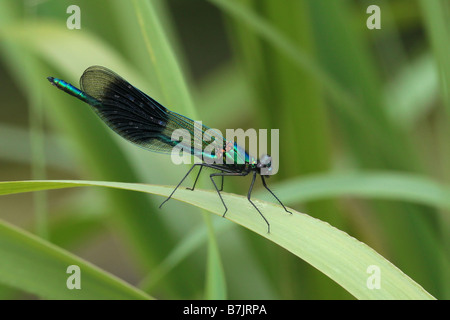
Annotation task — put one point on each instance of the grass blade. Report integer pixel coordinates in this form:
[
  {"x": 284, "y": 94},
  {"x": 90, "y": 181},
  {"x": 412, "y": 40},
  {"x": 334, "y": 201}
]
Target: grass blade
[
  {"x": 46, "y": 276},
  {"x": 436, "y": 20},
  {"x": 370, "y": 184},
  {"x": 341, "y": 257}
]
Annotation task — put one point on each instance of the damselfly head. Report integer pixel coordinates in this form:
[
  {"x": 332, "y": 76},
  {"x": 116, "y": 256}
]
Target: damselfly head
[
  {"x": 264, "y": 165},
  {"x": 264, "y": 162}
]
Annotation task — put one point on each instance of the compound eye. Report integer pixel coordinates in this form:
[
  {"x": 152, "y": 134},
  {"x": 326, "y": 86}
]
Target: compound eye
[{"x": 265, "y": 161}]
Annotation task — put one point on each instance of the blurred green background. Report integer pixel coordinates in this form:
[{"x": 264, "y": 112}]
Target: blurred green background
[{"x": 347, "y": 100}]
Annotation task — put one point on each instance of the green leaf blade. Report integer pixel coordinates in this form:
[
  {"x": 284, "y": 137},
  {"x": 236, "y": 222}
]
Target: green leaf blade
[
  {"x": 338, "y": 255},
  {"x": 36, "y": 266}
]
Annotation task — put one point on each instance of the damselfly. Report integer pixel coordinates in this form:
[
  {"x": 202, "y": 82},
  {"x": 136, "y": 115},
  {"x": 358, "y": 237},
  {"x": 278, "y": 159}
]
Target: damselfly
[{"x": 143, "y": 121}]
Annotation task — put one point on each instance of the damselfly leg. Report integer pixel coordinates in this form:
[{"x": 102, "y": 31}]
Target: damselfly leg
[{"x": 265, "y": 186}]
